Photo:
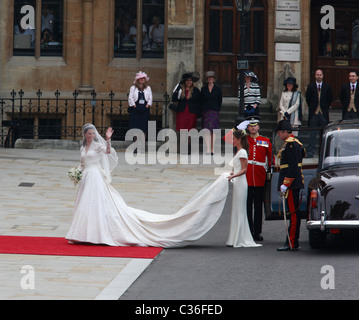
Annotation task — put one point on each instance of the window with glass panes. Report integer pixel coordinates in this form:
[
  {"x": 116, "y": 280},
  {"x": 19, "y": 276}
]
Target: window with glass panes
[
  {"x": 139, "y": 28},
  {"x": 44, "y": 41}
]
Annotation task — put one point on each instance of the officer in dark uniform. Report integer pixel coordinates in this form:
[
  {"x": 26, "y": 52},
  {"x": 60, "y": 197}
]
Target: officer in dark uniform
[{"x": 291, "y": 180}]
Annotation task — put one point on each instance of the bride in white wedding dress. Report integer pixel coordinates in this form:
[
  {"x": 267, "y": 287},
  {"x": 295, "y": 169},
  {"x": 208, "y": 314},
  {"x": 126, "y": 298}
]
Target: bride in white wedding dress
[{"x": 101, "y": 216}]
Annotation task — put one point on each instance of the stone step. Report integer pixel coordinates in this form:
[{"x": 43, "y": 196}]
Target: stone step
[
  {"x": 266, "y": 117},
  {"x": 229, "y": 114}
]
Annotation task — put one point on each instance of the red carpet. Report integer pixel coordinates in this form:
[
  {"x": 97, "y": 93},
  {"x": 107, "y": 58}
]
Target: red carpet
[{"x": 61, "y": 247}]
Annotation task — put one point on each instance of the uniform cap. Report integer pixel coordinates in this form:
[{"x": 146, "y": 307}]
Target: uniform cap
[
  {"x": 284, "y": 125},
  {"x": 253, "y": 120}
]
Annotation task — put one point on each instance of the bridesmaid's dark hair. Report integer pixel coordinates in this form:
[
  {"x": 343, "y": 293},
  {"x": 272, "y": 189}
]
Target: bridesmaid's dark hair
[{"x": 241, "y": 134}]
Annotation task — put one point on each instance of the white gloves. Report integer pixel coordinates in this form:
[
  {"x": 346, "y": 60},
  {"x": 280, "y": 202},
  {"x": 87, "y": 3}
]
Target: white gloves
[{"x": 283, "y": 188}]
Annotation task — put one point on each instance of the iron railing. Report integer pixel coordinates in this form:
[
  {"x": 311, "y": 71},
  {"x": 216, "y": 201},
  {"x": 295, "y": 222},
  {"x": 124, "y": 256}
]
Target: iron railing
[{"x": 39, "y": 117}]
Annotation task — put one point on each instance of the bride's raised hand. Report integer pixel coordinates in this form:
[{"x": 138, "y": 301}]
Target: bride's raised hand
[{"x": 109, "y": 133}]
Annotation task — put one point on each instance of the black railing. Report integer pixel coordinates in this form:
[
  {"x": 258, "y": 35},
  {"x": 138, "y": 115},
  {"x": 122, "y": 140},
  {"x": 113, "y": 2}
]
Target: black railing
[{"x": 41, "y": 117}]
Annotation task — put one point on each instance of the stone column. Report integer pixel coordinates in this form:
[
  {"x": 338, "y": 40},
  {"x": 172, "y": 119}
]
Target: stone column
[
  {"x": 199, "y": 37},
  {"x": 305, "y": 44},
  {"x": 180, "y": 44},
  {"x": 287, "y": 34},
  {"x": 271, "y": 4},
  {"x": 87, "y": 23}
]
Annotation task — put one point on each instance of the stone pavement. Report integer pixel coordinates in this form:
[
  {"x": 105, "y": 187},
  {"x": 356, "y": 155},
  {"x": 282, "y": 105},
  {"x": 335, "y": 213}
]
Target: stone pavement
[{"x": 36, "y": 199}]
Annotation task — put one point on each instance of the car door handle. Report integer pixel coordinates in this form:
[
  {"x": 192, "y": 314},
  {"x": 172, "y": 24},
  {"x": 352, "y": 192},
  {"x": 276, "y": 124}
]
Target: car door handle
[{"x": 357, "y": 197}]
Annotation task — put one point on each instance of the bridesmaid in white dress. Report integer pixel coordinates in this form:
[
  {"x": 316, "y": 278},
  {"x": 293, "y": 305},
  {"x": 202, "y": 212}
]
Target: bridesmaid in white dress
[{"x": 239, "y": 232}]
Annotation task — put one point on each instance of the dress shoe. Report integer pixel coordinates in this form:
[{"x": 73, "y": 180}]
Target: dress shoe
[
  {"x": 287, "y": 248},
  {"x": 257, "y": 237}
]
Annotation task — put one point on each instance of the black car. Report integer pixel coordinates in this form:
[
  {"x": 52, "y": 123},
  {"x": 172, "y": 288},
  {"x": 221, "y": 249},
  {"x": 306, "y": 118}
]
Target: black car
[{"x": 333, "y": 194}]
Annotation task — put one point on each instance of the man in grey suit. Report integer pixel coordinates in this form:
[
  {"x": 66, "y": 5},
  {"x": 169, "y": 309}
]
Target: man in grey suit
[{"x": 319, "y": 97}]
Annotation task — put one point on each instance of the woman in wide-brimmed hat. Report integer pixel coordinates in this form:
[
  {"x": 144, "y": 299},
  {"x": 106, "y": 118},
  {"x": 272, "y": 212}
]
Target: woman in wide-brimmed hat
[
  {"x": 140, "y": 101},
  {"x": 211, "y": 103},
  {"x": 188, "y": 98},
  {"x": 189, "y": 75},
  {"x": 291, "y": 80},
  {"x": 252, "y": 94},
  {"x": 289, "y": 102}
]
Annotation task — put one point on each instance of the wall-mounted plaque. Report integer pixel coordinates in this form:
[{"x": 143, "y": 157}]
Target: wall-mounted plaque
[
  {"x": 242, "y": 64},
  {"x": 287, "y": 52},
  {"x": 288, "y": 20},
  {"x": 288, "y": 5},
  {"x": 341, "y": 63}
]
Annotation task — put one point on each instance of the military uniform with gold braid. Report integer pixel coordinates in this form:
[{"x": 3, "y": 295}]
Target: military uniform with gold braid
[{"x": 291, "y": 178}]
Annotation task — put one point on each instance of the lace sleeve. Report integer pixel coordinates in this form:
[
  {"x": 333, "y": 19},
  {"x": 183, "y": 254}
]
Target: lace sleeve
[
  {"x": 99, "y": 148},
  {"x": 81, "y": 166}
]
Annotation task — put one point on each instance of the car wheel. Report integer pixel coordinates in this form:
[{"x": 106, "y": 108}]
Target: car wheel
[{"x": 317, "y": 239}]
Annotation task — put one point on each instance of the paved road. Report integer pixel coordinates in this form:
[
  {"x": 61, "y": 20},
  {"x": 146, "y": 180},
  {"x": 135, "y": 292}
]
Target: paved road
[
  {"x": 205, "y": 270},
  {"x": 209, "y": 270}
]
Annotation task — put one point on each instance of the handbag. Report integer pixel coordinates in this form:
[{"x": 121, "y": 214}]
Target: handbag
[{"x": 173, "y": 106}]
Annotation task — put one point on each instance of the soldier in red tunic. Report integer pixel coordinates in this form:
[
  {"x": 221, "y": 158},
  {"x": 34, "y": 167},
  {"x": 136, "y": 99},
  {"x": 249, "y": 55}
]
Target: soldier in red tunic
[{"x": 259, "y": 161}]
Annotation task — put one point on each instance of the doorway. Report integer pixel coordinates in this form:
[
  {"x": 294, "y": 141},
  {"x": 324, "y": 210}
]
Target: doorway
[{"x": 222, "y": 39}]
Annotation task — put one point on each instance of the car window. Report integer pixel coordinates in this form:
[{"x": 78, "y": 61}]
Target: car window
[{"x": 341, "y": 147}]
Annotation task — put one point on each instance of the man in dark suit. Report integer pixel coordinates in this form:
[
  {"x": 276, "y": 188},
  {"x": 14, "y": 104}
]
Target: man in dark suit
[
  {"x": 349, "y": 96},
  {"x": 319, "y": 97}
]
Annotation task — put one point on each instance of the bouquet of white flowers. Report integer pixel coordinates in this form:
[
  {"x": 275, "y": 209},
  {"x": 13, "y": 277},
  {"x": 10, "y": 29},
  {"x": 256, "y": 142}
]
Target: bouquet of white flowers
[{"x": 75, "y": 175}]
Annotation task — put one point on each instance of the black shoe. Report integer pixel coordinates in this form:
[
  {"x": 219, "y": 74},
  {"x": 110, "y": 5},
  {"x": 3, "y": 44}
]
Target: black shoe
[
  {"x": 287, "y": 248},
  {"x": 257, "y": 237},
  {"x": 284, "y": 248}
]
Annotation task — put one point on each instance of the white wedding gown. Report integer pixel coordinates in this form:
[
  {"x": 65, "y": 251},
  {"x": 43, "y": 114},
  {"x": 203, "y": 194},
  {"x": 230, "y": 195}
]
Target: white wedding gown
[
  {"x": 239, "y": 232},
  {"x": 101, "y": 216}
]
